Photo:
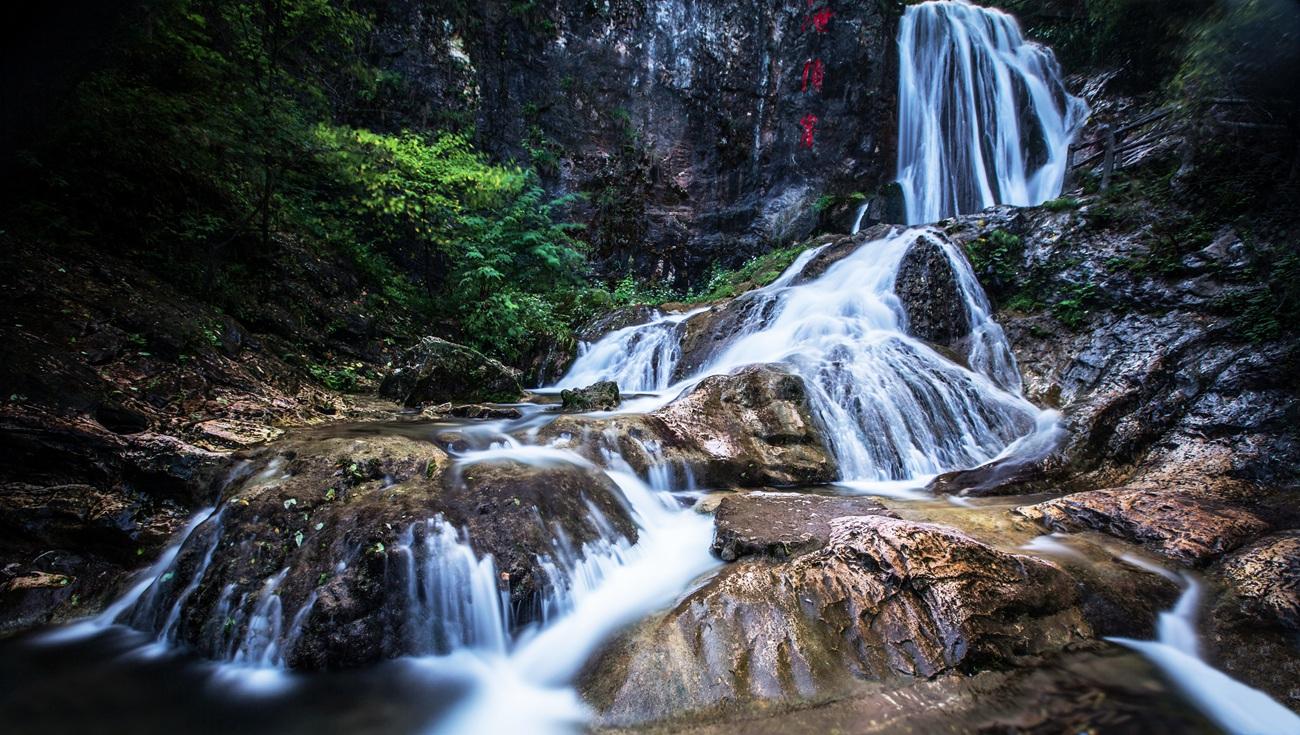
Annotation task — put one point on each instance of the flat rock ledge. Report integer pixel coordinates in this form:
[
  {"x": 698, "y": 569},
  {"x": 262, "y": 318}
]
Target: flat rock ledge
[
  {"x": 781, "y": 525},
  {"x": 1187, "y": 528}
]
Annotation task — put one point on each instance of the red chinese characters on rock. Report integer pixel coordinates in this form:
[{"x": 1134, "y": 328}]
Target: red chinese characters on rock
[
  {"x": 819, "y": 20},
  {"x": 809, "y": 125},
  {"x": 814, "y": 73}
]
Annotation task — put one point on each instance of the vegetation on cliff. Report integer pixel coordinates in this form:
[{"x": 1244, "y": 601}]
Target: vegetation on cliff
[{"x": 218, "y": 137}]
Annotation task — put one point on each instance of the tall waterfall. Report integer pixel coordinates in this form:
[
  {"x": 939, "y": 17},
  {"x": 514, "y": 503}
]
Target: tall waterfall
[{"x": 983, "y": 115}]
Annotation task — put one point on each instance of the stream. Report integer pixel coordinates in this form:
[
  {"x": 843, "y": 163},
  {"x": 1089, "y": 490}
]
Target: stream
[{"x": 896, "y": 413}]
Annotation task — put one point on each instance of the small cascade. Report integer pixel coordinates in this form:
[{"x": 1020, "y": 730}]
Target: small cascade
[
  {"x": 983, "y": 115},
  {"x": 453, "y": 597},
  {"x": 892, "y": 407},
  {"x": 1237, "y": 708},
  {"x": 639, "y": 358}
]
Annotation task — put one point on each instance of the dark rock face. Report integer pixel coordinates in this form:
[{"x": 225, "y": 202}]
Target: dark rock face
[
  {"x": 752, "y": 428},
  {"x": 885, "y": 598},
  {"x": 80, "y": 503},
  {"x": 435, "y": 371},
  {"x": 931, "y": 300},
  {"x": 320, "y": 523},
  {"x": 602, "y": 396},
  {"x": 1265, "y": 577},
  {"x": 1182, "y": 526},
  {"x": 781, "y": 525},
  {"x": 685, "y": 123}
]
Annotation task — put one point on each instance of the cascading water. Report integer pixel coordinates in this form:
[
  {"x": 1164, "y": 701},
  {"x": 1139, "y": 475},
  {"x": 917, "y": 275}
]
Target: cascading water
[
  {"x": 640, "y": 358},
  {"x": 983, "y": 115},
  {"x": 892, "y": 408}
]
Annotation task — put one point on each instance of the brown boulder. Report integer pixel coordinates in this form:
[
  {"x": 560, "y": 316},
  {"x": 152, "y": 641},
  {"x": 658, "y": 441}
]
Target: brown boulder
[
  {"x": 435, "y": 370},
  {"x": 927, "y": 288},
  {"x": 781, "y": 525},
  {"x": 1189, "y": 528},
  {"x": 752, "y": 428},
  {"x": 1265, "y": 577},
  {"x": 325, "y": 531},
  {"x": 886, "y": 598}
]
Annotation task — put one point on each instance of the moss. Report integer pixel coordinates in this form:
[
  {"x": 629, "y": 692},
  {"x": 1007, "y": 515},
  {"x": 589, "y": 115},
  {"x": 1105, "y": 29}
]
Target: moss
[
  {"x": 1061, "y": 204},
  {"x": 757, "y": 272},
  {"x": 1074, "y": 308}
]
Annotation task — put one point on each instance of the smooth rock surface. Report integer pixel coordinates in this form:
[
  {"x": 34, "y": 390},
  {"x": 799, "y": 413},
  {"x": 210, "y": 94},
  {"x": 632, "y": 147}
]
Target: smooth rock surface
[
  {"x": 752, "y": 428},
  {"x": 435, "y": 370},
  {"x": 886, "y": 598},
  {"x": 781, "y": 525}
]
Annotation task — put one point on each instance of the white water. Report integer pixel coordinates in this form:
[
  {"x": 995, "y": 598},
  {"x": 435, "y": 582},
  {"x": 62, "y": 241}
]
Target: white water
[
  {"x": 892, "y": 408},
  {"x": 641, "y": 358},
  {"x": 896, "y": 413},
  {"x": 523, "y": 686},
  {"x": 1237, "y": 708},
  {"x": 983, "y": 115}
]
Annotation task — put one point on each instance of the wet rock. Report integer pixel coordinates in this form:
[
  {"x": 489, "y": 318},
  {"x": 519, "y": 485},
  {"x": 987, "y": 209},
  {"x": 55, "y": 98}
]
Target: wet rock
[
  {"x": 435, "y": 370},
  {"x": 927, "y": 288},
  {"x": 481, "y": 411},
  {"x": 752, "y": 428},
  {"x": 234, "y": 434},
  {"x": 659, "y": 109},
  {"x": 781, "y": 525},
  {"x": 1252, "y": 629},
  {"x": 705, "y": 335},
  {"x": 1189, "y": 528},
  {"x": 614, "y": 320},
  {"x": 838, "y": 250},
  {"x": 335, "y": 534},
  {"x": 884, "y": 599},
  {"x": 602, "y": 396},
  {"x": 1265, "y": 578}
]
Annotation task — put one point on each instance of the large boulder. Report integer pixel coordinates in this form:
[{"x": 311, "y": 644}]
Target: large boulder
[
  {"x": 435, "y": 371},
  {"x": 752, "y": 428},
  {"x": 601, "y": 396},
  {"x": 932, "y": 301},
  {"x": 1189, "y": 528},
  {"x": 333, "y": 553},
  {"x": 885, "y": 599},
  {"x": 1265, "y": 578},
  {"x": 781, "y": 525},
  {"x": 1253, "y": 628}
]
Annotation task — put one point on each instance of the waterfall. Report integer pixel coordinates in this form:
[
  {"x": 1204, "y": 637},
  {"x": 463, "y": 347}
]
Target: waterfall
[
  {"x": 638, "y": 358},
  {"x": 983, "y": 115},
  {"x": 892, "y": 407}
]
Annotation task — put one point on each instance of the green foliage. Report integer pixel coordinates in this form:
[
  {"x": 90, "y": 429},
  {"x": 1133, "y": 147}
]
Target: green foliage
[
  {"x": 631, "y": 291},
  {"x": 1074, "y": 307},
  {"x": 1246, "y": 48},
  {"x": 996, "y": 258},
  {"x": 827, "y": 201},
  {"x": 1061, "y": 204},
  {"x": 758, "y": 271},
  {"x": 482, "y": 235},
  {"x": 212, "y": 137},
  {"x": 343, "y": 378},
  {"x": 1268, "y": 306}
]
